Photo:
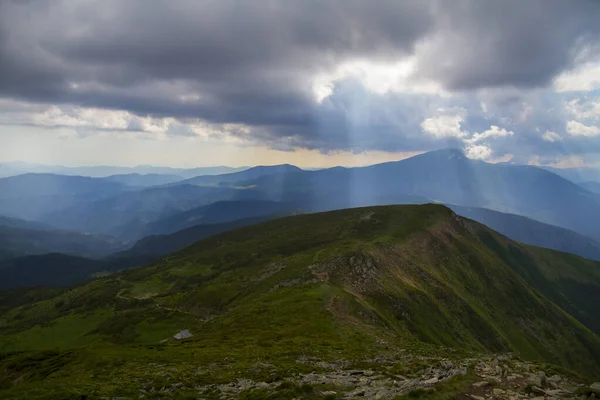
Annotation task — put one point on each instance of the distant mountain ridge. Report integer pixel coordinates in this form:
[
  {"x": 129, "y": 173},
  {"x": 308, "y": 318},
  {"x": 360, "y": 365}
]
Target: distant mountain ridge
[
  {"x": 592, "y": 186},
  {"x": 18, "y": 242},
  {"x": 12, "y": 169},
  {"x": 246, "y": 175},
  {"x": 30, "y": 196},
  {"x": 444, "y": 176},
  {"x": 529, "y": 231},
  {"x": 144, "y": 180}
]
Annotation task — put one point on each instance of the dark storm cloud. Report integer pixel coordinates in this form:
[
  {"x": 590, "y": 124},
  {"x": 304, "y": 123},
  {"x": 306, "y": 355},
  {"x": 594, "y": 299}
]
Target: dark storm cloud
[
  {"x": 227, "y": 61},
  {"x": 230, "y": 51},
  {"x": 509, "y": 42}
]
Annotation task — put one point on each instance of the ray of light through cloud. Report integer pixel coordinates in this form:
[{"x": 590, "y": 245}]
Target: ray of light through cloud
[{"x": 387, "y": 78}]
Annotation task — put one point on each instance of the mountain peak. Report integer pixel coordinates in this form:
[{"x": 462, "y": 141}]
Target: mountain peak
[{"x": 451, "y": 153}]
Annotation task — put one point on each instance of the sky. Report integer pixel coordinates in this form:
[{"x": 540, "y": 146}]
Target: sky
[{"x": 189, "y": 83}]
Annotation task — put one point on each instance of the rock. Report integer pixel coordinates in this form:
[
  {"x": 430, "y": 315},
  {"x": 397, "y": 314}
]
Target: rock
[
  {"x": 537, "y": 390},
  {"x": 497, "y": 392},
  {"x": 329, "y": 393},
  {"x": 477, "y": 397},
  {"x": 595, "y": 386},
  {"x": 538, "y": 398},
  {"x": 534, "y": 380},
  {"x": 554, "y": 378},
  {"x": 431, "y": 381},
  {"x": 368, "y": 373},
  {"x": 446, "y": 364},
  {"x": 481, "y": 384},
  {"x": 554, "y": 393}
]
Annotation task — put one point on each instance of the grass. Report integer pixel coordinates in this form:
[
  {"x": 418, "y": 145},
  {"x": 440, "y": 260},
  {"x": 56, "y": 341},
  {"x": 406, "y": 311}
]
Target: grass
[{"x": 346, "y": 285}]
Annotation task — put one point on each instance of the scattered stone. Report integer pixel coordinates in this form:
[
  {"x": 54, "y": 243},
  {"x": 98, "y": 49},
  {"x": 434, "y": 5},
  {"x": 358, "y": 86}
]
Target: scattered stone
[
  {"x": 497, "y": 392},
  {"x": 481, "y": 384},
  {"x": 431, "y": 381},
  {"x": 535, "y": 380},
  {"x": 554, "y": 378}
]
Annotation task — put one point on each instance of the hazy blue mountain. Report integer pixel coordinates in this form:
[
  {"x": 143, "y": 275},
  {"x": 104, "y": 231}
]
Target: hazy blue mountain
[
  {"x": 529, "y": 231},
  {"x": 443, "y": 176},
  {"x": 158, "y": 245},
  {"x": 22, "y": 223},
  {"x": 29, "y": 185},
  {"x": 219, "y": 170},
  {"x": 29, "y": 196},
  {"x": 18, "y": 168},
  {"x": 7, "y": 170},
  {"x": 17, "y": 242},
  {"x": 57, "y": 269},
  {"x": 246, "y": 175},
  {"x": 577, "y": 174},
  {"x": 144, "y": 180},
  {"x": 592, "y": 186},
  {"x": 127, "y": 214},
  {"x": 219, "y": 212}
]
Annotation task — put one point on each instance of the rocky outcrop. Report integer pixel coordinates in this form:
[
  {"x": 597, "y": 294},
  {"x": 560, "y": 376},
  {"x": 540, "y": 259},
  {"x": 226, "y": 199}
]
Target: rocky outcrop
[{"x": 499, "y": 377}]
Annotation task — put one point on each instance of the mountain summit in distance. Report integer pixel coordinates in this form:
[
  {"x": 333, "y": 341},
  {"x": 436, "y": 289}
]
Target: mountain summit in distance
[{"x": 374, "y": 293}]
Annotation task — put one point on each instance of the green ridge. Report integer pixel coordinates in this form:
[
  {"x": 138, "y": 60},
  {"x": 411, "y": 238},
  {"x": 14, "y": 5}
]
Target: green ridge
[{"x": 342, "y": 285}]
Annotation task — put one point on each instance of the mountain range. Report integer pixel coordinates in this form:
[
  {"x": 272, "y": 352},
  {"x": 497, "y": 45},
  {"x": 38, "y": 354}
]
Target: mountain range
[
  {"x": 367, "y": 290},
  {"x": 19, "y": 168},
  {"x": 121, "y": 216}
]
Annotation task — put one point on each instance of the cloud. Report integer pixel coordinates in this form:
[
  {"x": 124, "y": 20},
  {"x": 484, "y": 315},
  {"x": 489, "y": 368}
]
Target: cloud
[
  {"x": 578, "y": 129},
  {"x": 478, "y": 152},
  {"x": 342, "y": 75},
  {"x": 444, "y": 126},
  {"x": 582, "y": 78},
  {"x": 551, "y": 137},
  {"x": 514, "y": 43},
  {"x": 494, "y": 131}
]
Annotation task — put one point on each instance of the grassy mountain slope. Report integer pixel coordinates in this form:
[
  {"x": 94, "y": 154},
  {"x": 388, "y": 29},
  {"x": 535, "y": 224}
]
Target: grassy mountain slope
[
  {"x": 529, "y": 231},
  {"x": 342, "y": 285}
]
